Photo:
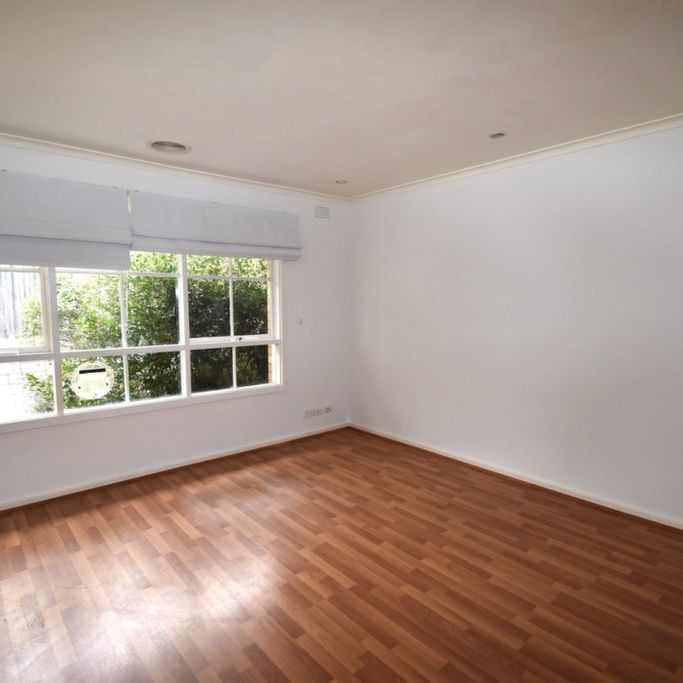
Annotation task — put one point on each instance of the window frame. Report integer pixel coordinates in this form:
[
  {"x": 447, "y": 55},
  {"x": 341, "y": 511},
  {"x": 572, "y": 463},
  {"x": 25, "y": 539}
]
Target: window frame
[
  {"x": 53, "y": 351},
  {"x": 46, "y": 347}
]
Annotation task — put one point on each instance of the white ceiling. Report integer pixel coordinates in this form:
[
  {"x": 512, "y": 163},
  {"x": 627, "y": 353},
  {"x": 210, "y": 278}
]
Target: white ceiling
[{"x": 304, "y": 92}]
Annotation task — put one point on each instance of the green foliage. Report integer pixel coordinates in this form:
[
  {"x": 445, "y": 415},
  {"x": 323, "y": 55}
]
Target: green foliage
[
  {"x": 41, "y": 391},
  {"x": 152, "y": 310},
  {"x": 211, "y": 369},
  {"x": 153, "y": 375},
  {"x": 153, "y": 262},
  {"x": 251, "y": 307},
  {"x": 221, "y": 266},
  {"x": 249, "y": 267},
  {"x": 209, "y": 304},
  {"x": 209, "y": 265},
  {"x": 31, "y": 319},
  {"x": 89, "y": 310},
  {"x": 209, "y": 300},
  {"x": 252, "y": 365}
]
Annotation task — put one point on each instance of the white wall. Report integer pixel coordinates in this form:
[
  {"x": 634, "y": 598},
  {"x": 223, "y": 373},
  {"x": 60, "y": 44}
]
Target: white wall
[
  {"x": 527, "y": 318},
  {"x": 531, "y": 319},
  {"x": 46, "y": 461}
]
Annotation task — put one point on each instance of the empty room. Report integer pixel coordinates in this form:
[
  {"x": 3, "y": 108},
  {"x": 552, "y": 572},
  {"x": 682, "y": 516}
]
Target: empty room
[{"x": 341, "y": 341}]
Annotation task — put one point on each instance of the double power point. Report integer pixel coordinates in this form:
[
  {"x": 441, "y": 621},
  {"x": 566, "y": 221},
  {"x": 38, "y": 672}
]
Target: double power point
[{"x": 315, "y": 412}]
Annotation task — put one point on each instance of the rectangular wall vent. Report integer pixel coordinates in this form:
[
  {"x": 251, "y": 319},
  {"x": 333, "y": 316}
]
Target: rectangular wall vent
[{"x": 321, "y": 212}]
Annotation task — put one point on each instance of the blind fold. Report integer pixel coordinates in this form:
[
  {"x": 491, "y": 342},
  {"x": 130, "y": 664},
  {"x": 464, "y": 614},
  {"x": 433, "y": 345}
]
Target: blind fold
[
  {"x": 49, "y": 221},
  {"x": 31, "y": 251},
  {"x": 162, "y": 223}
]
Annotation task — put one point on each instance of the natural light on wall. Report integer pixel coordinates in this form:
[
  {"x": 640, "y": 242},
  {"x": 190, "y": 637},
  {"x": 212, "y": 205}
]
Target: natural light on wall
[{"x": 170, "y": 327}]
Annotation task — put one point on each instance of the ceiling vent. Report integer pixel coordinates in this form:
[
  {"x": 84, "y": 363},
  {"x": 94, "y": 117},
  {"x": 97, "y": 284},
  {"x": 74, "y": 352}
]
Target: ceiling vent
[{"x": 321, "y": 212}]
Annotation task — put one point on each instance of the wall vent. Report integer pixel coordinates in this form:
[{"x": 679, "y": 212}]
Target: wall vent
[{"x": 321, "y": 212}]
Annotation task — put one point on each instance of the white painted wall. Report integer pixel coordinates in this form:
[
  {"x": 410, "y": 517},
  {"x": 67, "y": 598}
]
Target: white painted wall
[
  {"x": 531, "y": 319},
  {"x": 527, "y": 318},
  {"x": 42, "y": 462}
]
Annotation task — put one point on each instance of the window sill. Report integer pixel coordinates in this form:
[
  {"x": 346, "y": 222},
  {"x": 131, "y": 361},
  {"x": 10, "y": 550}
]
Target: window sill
[{"x": 102, "y": 412}]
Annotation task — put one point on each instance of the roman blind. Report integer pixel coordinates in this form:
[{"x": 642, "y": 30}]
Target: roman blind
[
  {"x": 162, "y": 223},
  {"x": 54, "y": 222}
]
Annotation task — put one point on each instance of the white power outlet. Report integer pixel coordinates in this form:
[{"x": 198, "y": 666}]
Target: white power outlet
[{"x": 316, "y": 412}]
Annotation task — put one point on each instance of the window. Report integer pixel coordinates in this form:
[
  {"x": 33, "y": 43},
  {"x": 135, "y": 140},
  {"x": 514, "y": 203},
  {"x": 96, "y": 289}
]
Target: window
[{"x": 171, "y": 327}]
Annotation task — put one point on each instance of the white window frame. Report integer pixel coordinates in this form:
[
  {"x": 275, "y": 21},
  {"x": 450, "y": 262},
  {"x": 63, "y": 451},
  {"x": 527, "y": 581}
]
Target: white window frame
[
  {"x": 45, "y": 346},
  {"x": 52, "y": 350}
]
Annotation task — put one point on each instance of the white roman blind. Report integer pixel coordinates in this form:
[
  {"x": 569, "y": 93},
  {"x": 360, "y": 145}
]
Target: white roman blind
[
  {"x": 54, "y": 222},
  {"x": 162, "y": 223}
]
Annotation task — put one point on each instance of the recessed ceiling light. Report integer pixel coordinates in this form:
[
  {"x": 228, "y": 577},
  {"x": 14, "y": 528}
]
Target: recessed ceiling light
[
  {"x": 495, "y": 136},
  {"x": 169, "y": 147},
  {"x": 341, "y": 182}
]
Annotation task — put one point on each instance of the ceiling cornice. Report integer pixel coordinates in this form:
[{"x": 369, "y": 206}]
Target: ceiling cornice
[
  {"x": 627, "y": 133},
  {"x": 22, "y": 142}
]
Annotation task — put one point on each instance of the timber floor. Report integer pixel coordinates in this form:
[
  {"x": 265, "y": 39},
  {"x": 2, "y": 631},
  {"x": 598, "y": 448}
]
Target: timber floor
[{"x": 340, "y": 557}]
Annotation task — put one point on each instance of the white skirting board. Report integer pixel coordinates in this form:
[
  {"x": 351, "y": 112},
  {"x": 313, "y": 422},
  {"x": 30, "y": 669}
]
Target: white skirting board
[
  {"x": 530, "y": 479},
  {"x": 128, "y": 476}
]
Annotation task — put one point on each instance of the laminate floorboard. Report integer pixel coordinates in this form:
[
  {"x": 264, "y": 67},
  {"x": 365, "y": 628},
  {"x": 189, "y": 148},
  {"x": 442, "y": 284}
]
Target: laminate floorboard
[{"x": 342, "y": 557}]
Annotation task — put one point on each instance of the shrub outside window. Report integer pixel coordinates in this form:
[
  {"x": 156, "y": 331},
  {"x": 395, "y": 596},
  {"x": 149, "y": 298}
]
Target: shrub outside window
[{"x": 171, "y": 327}]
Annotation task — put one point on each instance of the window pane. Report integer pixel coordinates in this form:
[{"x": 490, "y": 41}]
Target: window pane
[
  {"x": 153, "y": 262},
  {"x": 211, "y": 369},
  {"x": 26, "y": 389},
  {"x": 209, "y": 308},
  {"x": 89, "y": 311},
  {"x": 21, "y": 315},
  {"x": 152, "y": 375},
  {"x": 152, "y": 310},
  {"x": 208, "y": 265},
  {"x": 253, "y": 365},
  {"x": 69, "y": 380},
  {"x": 250, "y": 299},
  {"x": 250, "y": 267}
]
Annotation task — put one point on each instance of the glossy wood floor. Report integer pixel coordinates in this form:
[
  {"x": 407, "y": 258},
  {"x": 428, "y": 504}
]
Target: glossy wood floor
[{"x": 340, "y": 557}]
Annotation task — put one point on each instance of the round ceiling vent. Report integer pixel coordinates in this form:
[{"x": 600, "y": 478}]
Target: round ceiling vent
[{"x": 169, "y": 147}]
